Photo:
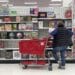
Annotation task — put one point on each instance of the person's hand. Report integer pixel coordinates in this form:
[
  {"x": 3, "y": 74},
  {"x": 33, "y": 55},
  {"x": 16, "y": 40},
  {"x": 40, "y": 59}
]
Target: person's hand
[{"x": 50, "y": 36}]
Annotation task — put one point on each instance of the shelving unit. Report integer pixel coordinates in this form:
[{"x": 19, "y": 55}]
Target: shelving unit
[
  {"x": 49, "y": 22},
  {"x": 26, "y": 27},
  {"x": 14, "y": 28},
  {"x": 54, "y": 18}
]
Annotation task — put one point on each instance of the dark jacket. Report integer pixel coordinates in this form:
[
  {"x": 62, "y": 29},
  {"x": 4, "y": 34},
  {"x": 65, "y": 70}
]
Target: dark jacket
[{"x": 61, "y": 36}]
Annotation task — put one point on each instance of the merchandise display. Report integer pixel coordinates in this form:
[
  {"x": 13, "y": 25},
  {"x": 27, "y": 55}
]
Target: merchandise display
[
  {"x": 22, "y": 23},
  {"x": 68, "y": 13},
  {"x": 14, "y": 27},
  {"x": 68, "y": 54},
  {"x": 51, "y": 24},
  {"x": 19, "y": 35},
  {"x": 27, "y": 35},
  {"x": 22, "y": 26},
  {"x": 34, "y": 35},
  {"x": 51, "y": 15},
  {"x": 34, "y": 11},
  {"x": 10, "y": 35},
  {"x": 1, "y": 44},
  {"x": 16, "y": 55},
  {"x": 68, "y": 24},
  {"x": 8, "y": 54},
  {"x": 7, "y": 19},
  {"x": 34, "y": 20},
  {"x": 4, "y": 10},
  {"x": 25, "y": 56},
  {"x": 2, "y": 54},
  {"x": 8, "y": 27},
  {"x": 2, "y": 35},
  {"x": 18, "y": 19},
  {"x": 42, "y": 14},
  {"x": 1, "y": 27},
  {"x": 12, "y": 12}
]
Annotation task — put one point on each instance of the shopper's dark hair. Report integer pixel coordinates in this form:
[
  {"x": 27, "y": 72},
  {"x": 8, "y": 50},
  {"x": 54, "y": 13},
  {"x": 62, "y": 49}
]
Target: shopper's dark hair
[{"x": 60, "y": 24}]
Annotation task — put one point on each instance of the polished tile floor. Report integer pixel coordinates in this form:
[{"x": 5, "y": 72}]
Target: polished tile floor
[{"x": 16, "y": 69}]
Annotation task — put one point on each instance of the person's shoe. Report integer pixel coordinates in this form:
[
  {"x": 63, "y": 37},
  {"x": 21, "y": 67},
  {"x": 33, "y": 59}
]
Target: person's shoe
[
  {"x": 61, "y": 67},
  {"x": 50, "y": 67}
]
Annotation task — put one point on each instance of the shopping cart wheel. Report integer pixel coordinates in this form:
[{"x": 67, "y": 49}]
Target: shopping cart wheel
[{"x": 25, "y": 67}]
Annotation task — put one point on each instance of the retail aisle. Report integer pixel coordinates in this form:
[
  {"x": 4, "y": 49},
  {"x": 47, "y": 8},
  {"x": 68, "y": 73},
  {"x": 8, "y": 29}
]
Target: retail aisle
[{"x": 15, "y": 69}]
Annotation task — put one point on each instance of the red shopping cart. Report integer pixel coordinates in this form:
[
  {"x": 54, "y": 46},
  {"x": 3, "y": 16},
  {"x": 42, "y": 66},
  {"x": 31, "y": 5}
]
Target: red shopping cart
[{"x": 33, "y": 52}]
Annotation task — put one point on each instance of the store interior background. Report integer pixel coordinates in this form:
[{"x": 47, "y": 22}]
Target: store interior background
[
  {"x": 16, "y": 69},
  {"x": 22, "y": 8},
  {"x": 19, "y": 7},
  {"x": 44, "y": 3}
]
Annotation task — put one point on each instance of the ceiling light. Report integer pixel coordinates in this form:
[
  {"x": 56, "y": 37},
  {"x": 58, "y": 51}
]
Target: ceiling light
[
  {"x": 4, "y": 0},
  {"x": 56, "y": 0},
  {"x": 55, "y": 4},
  {"x": 30, "y": 3},
  {"x": 7, "y": 4}
]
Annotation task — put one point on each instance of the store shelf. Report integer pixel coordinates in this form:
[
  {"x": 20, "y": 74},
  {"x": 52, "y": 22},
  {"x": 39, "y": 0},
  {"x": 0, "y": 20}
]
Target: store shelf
[
  {"x": 52, "y": 48},
  {"x": 18, "y": 22},
  {"x": 33, "y": 59},
  {"x": 17, "y": 15},
  {"x": 11, "y": 48},
  {"x": 29, "y": 59},
  {"x": 67, "y": 18},
  {"x": 54, "y": 19},
  {"x": 4, "y": 59},
  {"x": 44, "y": 28},
  {"x": 18, "y": 48},
  {"x": 8, "y": 22},
  {"x": 19, "y": 31},
  {"x": 13, "y": 39},
  {"x": 69, "y": 58},
  {"x": 14, "y": 49},
  {"x": 2, "y": 49},
  {"x": 69, "y": 27},
  {"x": 23, "y": 19},
  {"x": 49, "y": 49},
  {"x": 1, "y": 30},
  {"x": 47, "y": 18}
]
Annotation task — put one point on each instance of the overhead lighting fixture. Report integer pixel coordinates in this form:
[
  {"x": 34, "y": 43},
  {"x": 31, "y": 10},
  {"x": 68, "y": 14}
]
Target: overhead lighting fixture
[
  {"x": 4, "y": 1},
  {"x": 56, "y": 0},
  {"x": 7, "y": 4},
  {"x": 10, "y": 4},
  {"x": 55, "y": 4},
  {"x": 4, "y": 4},
  {"x": 30, "y": 3}
]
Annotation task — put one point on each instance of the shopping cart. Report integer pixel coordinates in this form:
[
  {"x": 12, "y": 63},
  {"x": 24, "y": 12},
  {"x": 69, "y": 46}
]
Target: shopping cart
[{"x": 33, "y": 52}]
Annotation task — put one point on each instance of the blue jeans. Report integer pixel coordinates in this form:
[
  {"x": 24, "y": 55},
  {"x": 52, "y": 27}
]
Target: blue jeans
[{"x": 61, "y": 50}]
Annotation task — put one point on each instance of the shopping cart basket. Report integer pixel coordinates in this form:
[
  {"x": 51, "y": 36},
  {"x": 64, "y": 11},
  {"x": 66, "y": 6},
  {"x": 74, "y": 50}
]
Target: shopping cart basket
[{"x": 33, "y": 52}]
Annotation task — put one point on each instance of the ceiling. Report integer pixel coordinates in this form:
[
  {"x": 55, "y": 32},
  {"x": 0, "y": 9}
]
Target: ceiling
[{"x": 39, "y": 2}]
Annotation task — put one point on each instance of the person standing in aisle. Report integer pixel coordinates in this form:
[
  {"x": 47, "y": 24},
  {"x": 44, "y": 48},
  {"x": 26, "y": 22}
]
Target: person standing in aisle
[{"x": 62, "y": 39}]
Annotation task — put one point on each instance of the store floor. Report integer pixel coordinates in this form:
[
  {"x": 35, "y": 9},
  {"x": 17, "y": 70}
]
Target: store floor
[{"x": 16, "y": 69}]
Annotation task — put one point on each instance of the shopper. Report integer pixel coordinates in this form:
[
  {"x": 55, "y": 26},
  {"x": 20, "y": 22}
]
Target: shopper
[{"x": 62, "y": 39}]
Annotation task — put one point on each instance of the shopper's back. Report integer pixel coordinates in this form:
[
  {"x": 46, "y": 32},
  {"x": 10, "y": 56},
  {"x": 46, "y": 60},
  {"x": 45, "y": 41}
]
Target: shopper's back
[{"x": 60, "y": 39}]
